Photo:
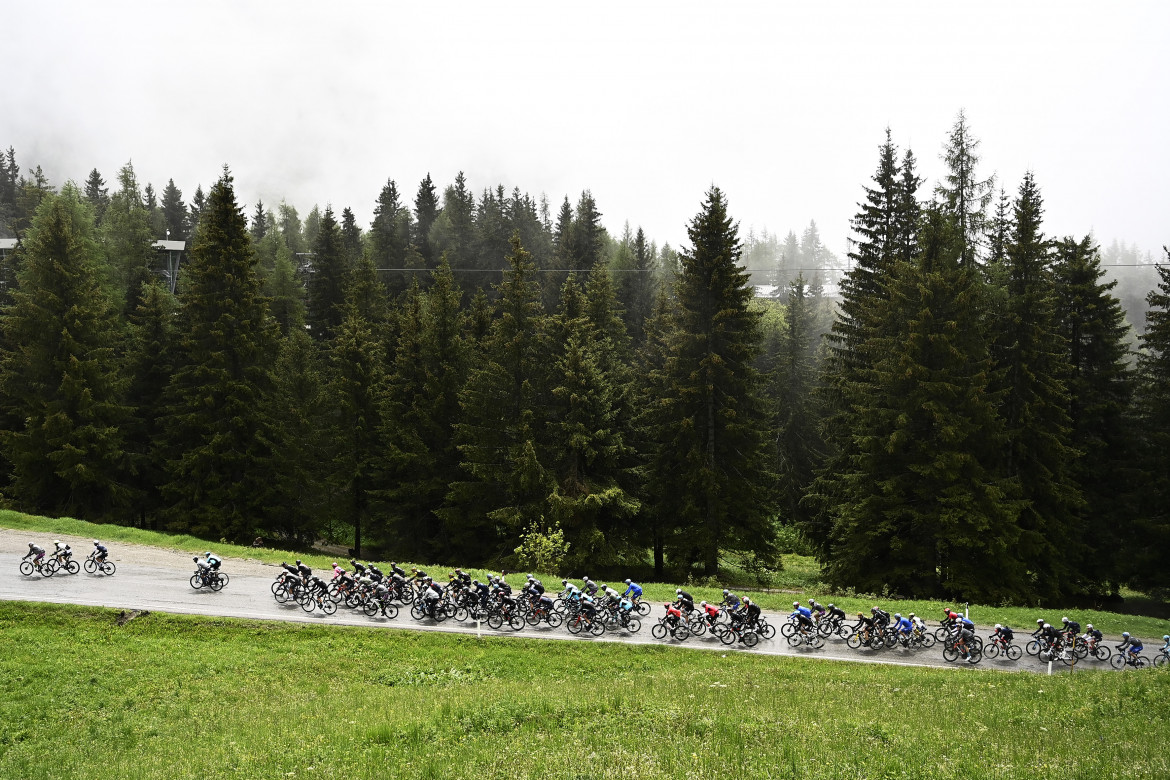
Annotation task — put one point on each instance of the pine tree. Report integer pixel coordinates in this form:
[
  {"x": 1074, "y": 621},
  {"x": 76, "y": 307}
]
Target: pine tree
[
  {"x": 390, "y": 237},
  {"x": 128, "y": 240},
  {"x": 174, "y": 212},
  {"x": 454, "y": 231},
  {"x": 301, "y": 507},
  {"x": 964, "y": 194},
  {"x": 198, "y": 201},
  {"x": 430, "y": 370},
  {"x": 150, "y": 366},
  {"x": 426, "y": 211},
  {"x": 259, "y": 227},
  {"x": 1032, "y": 371},
  {"x": 713, "y": 403},
  {"x": 283, "y": 289},
  {"x": 908, "y": 212},
  {"x": 60, "y": 374},
  {"x": 326, "y": 285},
  {"x": 219, "y": 433},
  {"x": 505, "y": 488},
  {"x": 1150, "y": 536},
  {"x": 154, "y": 215},
  {"x": 920, "y": 508},
  {"x": 638, "y": 289},
  {"x": 587, "y": 237},
  {"x": 97, "y": 195},
  {"x": 1101, "y": 388},
  {"x": 351, "y": 237}
]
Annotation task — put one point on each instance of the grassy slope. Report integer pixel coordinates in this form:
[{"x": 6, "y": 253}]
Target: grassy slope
[
  {"x": 185, "y": 697},
  {"x": 801, "y": 574}
]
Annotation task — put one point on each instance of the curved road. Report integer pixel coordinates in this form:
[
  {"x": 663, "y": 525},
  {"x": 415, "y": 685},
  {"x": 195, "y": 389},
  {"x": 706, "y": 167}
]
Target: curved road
[{"x": 155, "y": 579}]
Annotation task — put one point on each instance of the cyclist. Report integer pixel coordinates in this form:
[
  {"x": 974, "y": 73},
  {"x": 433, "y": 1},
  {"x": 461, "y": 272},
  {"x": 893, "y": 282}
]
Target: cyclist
[
  {"x": 865, "y": 627},
  {"x": 503, "y": 587},
  {"x": 588, "y": 607},
  {"x": 817, "y": 610},
  {"x": 212, "y": 559},
  {"x": 1039, "y": 628},
  {"x": 358, "y": 569},
  {"x": 673, "y": 615},
  {"x": 633, "y": 591},
  {"x": 304, "y": 571},
  {"x": 803, "y": 616},
  {"x": 1049, "y": 636},
  {"x": 571, "y": 591},
  {"x": 538, "y": 587},
  {"x": 1165, "y": 649},
  {"x": 431, "y": 594},
  {"x": 919, "y": 623},
  {"x": 36, "y": 552},
  {"x": 1093, "y": 635},
  {"x": 730, "y": 600},
  {"x": 904, "y": 627},
  {"x": 881, "y": 618},
  {"x": 201, "y": 568},
  {"x": 1133, "y": 643},
  {"x": 1071, "y": 628},
  {"x": 337, "y": 571},
  {"x": 611, "y": 596},
  {"x": 483, "y": 591},
  {"x": 1005, "y": 633},
  {"x": 711, "y": 612},
  {"x": 589, "y": 586},
  {"x": 965, "y": 636},
  {"x": 685, "y": 601},
  {"x": 61, "y": 551},
  {"x": 751, "y": 612},
  {"x": 101, "y": 551}
]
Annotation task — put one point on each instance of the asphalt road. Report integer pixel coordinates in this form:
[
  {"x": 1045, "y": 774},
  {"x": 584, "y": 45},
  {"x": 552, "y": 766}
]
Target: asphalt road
[{"x": 150, "y": 578}]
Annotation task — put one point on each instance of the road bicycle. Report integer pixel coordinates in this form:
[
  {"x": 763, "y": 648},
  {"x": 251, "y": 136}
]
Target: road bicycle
[
  {"x": 93, "y": 565},
  {"x": 43, "y": 569},
  {"x": 209, "y": 578}
]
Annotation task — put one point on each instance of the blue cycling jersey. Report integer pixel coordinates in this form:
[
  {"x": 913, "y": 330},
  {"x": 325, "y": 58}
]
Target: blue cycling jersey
[
  {"x": 803, "y": 612},
  {"x": 905, "y": 626},
  {"x": 634, "y": 588}
]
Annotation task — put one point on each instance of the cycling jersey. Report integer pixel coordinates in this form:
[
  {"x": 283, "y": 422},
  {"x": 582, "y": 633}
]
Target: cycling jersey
[
  {"x": 633, "y": 588},
  {"x": 905, "y": 626}
]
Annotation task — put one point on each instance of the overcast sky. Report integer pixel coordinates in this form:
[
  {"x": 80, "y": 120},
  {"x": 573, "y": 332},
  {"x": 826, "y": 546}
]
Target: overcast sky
[{"x": 782, "y": 105}]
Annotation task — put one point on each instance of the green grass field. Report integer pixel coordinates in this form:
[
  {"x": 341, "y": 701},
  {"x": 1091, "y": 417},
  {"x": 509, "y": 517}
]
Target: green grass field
[
  {"x": 800, "y": 574},
  {"x": 185, "y": 697}
]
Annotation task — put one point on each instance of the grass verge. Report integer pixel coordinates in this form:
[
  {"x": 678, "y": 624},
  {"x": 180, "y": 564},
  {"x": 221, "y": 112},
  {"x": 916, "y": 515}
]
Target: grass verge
[
  {"x": 172, "y": 696},
  {"x": 1150, "y": 629}
]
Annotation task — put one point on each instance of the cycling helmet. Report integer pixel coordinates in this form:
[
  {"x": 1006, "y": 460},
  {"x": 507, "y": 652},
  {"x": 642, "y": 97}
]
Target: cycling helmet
[
  {"x": 678, "y": 591},
  {"x": 834, "y": 606},
  {"x": 911, "y": 614},
  {"x": 602, "y": 586},
  {"x": 196, "y": 559},
  {"x": 95, "y": 541},
  {"x": 628, "y": 581},
  {"x": 860, "y": 615},
  {"x": 207, "y": 553},
  {"x": 1125, "y": 634},
  {"x": 795, "y": 604},
  {"x": 998, "y": 626},
  {"x": 702, "y": 604},
  {"x": 746, "y": 600},
  {"x": 32, "y": 544},
  {"x": 298, "y": 561},
  {"x": 1090, "y": 627},
  {"x": 475, "y": 582},
  {"x": 898, "y": 615},
  {"x": 564, "y": 582},
  {"x": 1166, "y": 637},
  {"x": 725, "y": 591},
  {"x": 334, "y": 564},
  {"x": 873, "y": 610},
  {"x": 56, "y": 541},
  {"x": 1039, "y": 621},
  {"x": 1048, "y": 625},
  {"x": 1064, "y": 620}
]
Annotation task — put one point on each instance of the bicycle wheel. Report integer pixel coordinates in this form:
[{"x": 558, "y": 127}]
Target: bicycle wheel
[
  {"x": 788, "y": 629},
  {"x": 90, "y": 565},
  {"x": 992, "y": 650},
  {"x": 495, "y": 621},
  {"x": 1102, "y": 652},
  {"x": 597, "y": 628},
  {"x": 461, "y": 614},
  {"x": 26, "y": 568},
  {"x": 196, "y": 581},
  {"x": 845, "y": 631},
  {"x": 658, "y": 631},
  {"x": 750, "y": 638},
  {"x": 643, "y": 608},
  {"x": 1141, "y": 662},
  {"x": 218, "y": 581},
  {"x": 515, "y": 622},
  {"x": 633, "y": 625},
  {"x": 767, "y": 630},
  {"x": 974, "y": 657},
  {"x": 682, "y": 633},
  {"x": 950, "y": 653},
  {"x": 724, "y": 633},
  {"x": 72, "y": 566},
  {"x": 853, "y": 641},
  {"x": 793, "y": 639},
  {"x": 1160, "y": 660},
  {"x": 574, "y": 626},
  {"x": 370, "y": 608},
  {"x": 817, "y": 641},
  {"x": 416, "y": 611},
  {"x": 308, "y": 603},
  {"x": 1032, "y": 648},
  {"x": 554, "y": 620},
  {"x": 109, "y": 568},
  {"x": 1117, "y": 661},
  {"x": 328, "y": 606},
  {"x": 1013, "y": 652}
]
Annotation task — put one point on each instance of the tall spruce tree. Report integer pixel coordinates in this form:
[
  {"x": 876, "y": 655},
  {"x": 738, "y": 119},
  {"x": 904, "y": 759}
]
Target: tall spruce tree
[
  {"x": 174, "y": 212},
  {"x": 431, "y": 365},
  {"x": 921, "y": 509},
  {"x": 97, "y": 195},
  {"x": 426, "y": 211},
  {"x": 1101, "y": 388},
  {"x": 326, "y": 285},
  {"x": 1032, "y": 371},
  {"x": 505, "y": 488},
  {"x": 60, "y": 372},
  {"x": 129, "y": 241},
  {"x": 713, "y": 402},
  {"x": 965, "y": 196},
  {"x": 1150, "y": 536},
  {"x": 219, "y": 433}
]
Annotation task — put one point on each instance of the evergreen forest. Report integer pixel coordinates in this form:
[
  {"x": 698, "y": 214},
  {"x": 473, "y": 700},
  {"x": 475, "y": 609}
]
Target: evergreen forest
[{"x": 479, "y": 377}]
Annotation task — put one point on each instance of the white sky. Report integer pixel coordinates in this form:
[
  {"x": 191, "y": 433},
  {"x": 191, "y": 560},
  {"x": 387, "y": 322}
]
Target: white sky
[{"x": 782, "y": 105}]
